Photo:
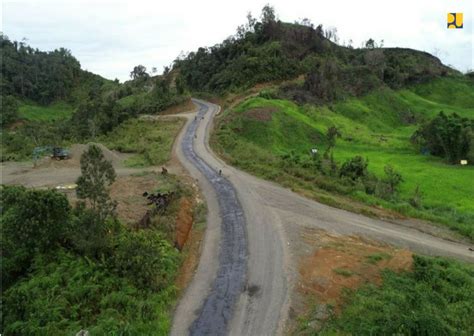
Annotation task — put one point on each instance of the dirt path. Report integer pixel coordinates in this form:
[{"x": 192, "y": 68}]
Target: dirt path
[
  {"x": 274, "y": 218},
  {"x": 23, "y": 173}
]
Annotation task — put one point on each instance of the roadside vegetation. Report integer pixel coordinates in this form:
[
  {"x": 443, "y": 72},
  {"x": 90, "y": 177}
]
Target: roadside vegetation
[
  {"x": 434, "y": 298},
  {"x": 365, "y": 149},
  {"x": 150, "y": 141},
  {"x": 67, "y": 269}
]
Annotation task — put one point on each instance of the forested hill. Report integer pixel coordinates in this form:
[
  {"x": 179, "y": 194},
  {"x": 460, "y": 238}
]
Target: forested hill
[
  {"x": 39, "y": 76},
  {"x": 270, "y": 49},
  {"x": 47, "y": 99}
]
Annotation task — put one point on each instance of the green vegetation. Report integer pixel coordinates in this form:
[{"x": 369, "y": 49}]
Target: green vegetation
[
  {"x": 273, "y": 139},
  {"x": 65, "y": 269},
  {"x": 9, "y": 110},
  {"x": 436, "y": 298},
  {"x": 52, "y": 112},
  {"x": 150, "y": 140},
  {"x": 58, "y": 103},
  {"x": 344, "y": 272},
  {"x": 37, "y": 75},
  {"x": 450, "y": 137},
  {"x": 96, "y": 175},
  {"x": 271, "y": 50},
  {"x": 376, "y": 257}
]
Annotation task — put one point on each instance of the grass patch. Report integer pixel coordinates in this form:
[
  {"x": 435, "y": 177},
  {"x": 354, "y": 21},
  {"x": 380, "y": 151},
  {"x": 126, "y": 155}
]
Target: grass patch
[
  {"x": 150, "y": 141},
  {"x": 376, "y": 257},
  {"x": 342, "y": 271},
  {"x": 52, "y": 112},
  {"x": 377, "y": 127}
]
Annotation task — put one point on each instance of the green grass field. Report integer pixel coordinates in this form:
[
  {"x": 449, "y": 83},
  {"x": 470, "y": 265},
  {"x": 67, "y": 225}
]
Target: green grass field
[
  {"x": 377, "y": 126},
  {"x": 55, "y": 111},
  {"x": 150, "y": 141}
]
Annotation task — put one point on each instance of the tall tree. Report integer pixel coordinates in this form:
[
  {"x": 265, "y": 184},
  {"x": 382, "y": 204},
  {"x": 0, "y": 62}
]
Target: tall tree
[
  {"x": 139, "y": 71},
  {"x": 97, "y": 175}
]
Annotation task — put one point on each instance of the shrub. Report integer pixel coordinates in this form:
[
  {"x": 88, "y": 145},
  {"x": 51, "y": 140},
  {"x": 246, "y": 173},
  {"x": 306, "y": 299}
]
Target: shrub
[
  {"x": 33, "y": 221},
  {"x": 354, "y": 168},
  {"x": 435, "y": 299},
  {"x": 144, "y": 257},
  {"x": 416, "y": 199},
  {"x": 392, "y": 178},
  {"x": 90, "y": 236},
  {"x": 66, "y": 293},
  {"x": 9, "y": 109}
]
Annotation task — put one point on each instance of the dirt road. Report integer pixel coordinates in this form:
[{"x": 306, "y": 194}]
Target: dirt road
[{"x": 272, "y": 216}]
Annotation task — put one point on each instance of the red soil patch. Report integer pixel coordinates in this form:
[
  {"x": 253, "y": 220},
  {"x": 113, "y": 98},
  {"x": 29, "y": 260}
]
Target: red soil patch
[
  {"x": 345, "y": 262},
  {"x": 261, "y": 113},
  {"x": 184, "y": 222},
  {"x": 192, "y": 252}
]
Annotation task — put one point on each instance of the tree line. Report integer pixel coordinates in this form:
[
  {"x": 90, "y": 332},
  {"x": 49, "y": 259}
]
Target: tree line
[
  {"x": 271, "y": 50},
  {"x": 40, "y": 76}
]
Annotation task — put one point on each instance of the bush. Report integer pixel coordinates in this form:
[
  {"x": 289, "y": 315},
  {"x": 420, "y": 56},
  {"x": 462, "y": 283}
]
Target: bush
[
  {"x": 89, "y": 236},
  {"x": 354, "y": 168},
  {"x": 435, "y": 299},
  {"x": 9, "y": 110},
  {"x": 144, "y": 257},
  {"x": 33, "y": 221},
  {"x": 66, "y": 293}
]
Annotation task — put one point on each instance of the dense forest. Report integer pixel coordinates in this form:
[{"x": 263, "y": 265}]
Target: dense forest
[
  {"x": 37, "y": 75},
  {"x": 34, "y": 80},
  {"x": 272, "y": 50}
]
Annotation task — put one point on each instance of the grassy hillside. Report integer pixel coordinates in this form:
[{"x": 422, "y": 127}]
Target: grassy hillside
[
  {"x": 149, "y": 141},
  {"x": 273, "y": 139},
  {"x": 52, "y": 112}
]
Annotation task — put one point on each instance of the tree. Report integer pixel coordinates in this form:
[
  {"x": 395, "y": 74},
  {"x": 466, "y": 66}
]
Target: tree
[
  {"x": 392, "y": 179},
  {"x": 446, "y": 136},
  {"x": 370, "y": 44},
  {"x": 375, "y": 59},
  {"x": 9, "y": 110},
  {"x": 331, "y": 34},
  {"x": 96, "y": 175},
  {"x": 268, "y": 14},
  {"x": 139, "y": 71}
]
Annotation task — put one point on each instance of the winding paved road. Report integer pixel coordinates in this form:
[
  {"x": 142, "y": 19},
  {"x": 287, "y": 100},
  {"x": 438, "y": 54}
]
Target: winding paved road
[{"x": 246, "y": 272}]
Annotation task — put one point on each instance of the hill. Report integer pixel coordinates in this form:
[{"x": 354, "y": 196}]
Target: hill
[
  {"x": 362, "y": 109},
  {"x": 272, "y": 50},
  {"x": 48, "y": 100},
  {"x": 273, "y": 138}
]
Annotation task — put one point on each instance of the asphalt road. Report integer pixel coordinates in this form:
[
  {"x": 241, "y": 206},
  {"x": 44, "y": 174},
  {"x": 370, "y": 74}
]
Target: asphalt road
[{"x": 247, "y": 268}]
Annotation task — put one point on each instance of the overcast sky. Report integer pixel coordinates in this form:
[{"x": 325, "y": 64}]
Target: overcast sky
[{"x": 110, "y": 37}]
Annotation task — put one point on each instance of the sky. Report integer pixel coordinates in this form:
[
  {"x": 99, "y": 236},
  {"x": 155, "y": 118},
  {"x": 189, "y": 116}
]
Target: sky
[{"x": 111, "y": 37}]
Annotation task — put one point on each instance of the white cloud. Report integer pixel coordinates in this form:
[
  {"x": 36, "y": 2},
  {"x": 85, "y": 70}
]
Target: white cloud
[{"x": 110, "y": 37}]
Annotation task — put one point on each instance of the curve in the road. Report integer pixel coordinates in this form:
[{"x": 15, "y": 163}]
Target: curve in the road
[{"x": 216, "y": 312}]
